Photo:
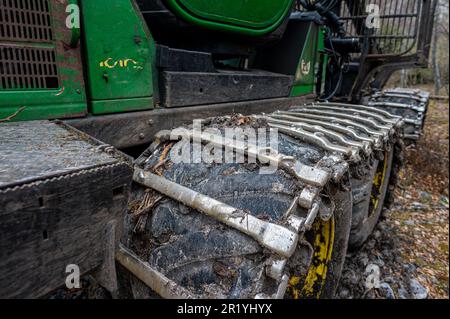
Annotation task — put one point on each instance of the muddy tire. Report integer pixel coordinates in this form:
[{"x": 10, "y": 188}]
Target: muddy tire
[
  {"x": 369, "y": 199},
  {"x": 342, "y": 233},
  {"x": 322, "y": 153},
  {"x": 414, "y": 110},
  {"x": 397, "y": 165},
  {"x": 215, "y": 261}
]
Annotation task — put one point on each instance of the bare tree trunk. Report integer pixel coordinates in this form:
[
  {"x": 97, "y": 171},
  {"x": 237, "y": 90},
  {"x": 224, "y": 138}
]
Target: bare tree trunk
[
  {"x": 404, "y": 78},
  {"x": 446, "y": 85},
  {"x": 434, "y": 49}
]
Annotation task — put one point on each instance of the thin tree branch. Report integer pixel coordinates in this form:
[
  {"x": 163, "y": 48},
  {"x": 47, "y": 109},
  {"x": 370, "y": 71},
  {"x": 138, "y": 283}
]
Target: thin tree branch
[{"x": 10, "y": 117}]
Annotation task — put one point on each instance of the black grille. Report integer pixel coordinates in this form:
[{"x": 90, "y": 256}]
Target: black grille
[
  {"x": 25, "y": 20},
  {"x": 27, "y": 68},
  {"x": 27, "y": 54},
  {"x": 399, "y": 24}
]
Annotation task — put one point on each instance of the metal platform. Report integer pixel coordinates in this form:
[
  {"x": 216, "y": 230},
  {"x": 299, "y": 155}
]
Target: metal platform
[
  {"x": 32, "y": 151},
  {"x": 62, "y": 199}
]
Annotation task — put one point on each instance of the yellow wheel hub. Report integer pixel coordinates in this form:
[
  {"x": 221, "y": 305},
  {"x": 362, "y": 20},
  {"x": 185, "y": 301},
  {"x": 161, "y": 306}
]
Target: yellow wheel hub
[
  {"x": 311, "y": 284},
  {"x": 378, "y": 182}
]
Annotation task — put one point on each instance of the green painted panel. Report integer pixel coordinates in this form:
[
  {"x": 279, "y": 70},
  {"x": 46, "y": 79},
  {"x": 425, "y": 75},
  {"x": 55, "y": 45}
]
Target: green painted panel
[
  {"x": 309, "y": 63},
  {"x": 43, "y": 111},
  {"x": 323, "y": 56},
  {"x": 122, "y": 105},
  {"x": 252, "y": 17},
  {"x": 67, "y": 100},
  {"x": 120, "y": 54}
]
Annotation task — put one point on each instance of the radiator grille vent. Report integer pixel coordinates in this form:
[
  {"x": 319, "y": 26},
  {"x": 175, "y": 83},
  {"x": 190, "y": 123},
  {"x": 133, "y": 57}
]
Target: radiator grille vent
[
  {"x": 25, "y": 20},
  {"x": 28, "y": 68},
  {"x": 27, "y": 51}
]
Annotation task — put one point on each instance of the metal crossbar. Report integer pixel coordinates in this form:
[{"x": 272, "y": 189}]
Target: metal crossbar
[{"x": 398, "y": 25}]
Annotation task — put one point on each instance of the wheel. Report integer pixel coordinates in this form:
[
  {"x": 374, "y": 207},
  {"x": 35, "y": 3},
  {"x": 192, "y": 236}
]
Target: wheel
[
  {"x": 216, "y": 261},
  {"x": 410, "y": 104},
  {"x": 397, "y": 165},
  {"x": 329, "y": 241},
  {"x": 369, "y": 193},
  {"x": 323, "y": 151}
]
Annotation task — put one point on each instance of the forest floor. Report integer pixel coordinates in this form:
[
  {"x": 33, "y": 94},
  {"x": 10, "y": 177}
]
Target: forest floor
[{"x": 409, "y": 249}]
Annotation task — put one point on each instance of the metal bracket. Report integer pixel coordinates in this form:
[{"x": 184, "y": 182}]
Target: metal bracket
[
  {"x": 398, "y": 106},
  {"x": 307, "y": 174},
  {"x": 367, "y": 142},
  {"x": 334, "y": 134},
  {"x": 359, "y": 112},
  {"x": 318, "y": 139},
  {"x": 373, "y": 110},
  {"x": 276, "y": 238},
  {"x": 354, "y": 117},
  {"x": 159, "y": 283},
  {"x": 380, "y": 135}
]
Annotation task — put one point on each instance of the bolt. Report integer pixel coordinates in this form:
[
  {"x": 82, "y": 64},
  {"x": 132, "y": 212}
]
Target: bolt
[
  {"x": 150, "y": 122},
  {"x": 137, "y": 39},
  {"x": 142, "y": 136}
]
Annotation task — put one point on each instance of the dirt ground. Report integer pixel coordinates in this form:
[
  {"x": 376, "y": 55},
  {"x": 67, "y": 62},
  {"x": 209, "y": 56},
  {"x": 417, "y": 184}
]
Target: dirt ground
[{"x": 410, "y": 246}]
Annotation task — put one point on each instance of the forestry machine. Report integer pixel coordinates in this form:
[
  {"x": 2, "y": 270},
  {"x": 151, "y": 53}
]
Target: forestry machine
[{"x": 128, "y": 150}]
